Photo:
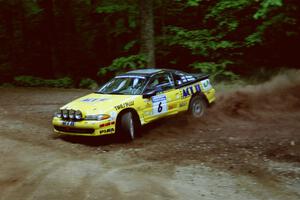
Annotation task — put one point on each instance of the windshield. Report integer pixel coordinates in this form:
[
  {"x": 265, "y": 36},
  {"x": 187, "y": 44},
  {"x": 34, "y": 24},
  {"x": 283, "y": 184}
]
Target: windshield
[{"x": 128, "y": 85}]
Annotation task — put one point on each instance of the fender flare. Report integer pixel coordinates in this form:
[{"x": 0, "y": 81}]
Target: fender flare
[
  {"x": 202, "y": 95},
  {"x": 133, "y": 111}
]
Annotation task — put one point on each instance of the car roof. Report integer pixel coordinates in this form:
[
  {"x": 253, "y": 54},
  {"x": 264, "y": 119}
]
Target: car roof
[{"x": 147, "y": 72}]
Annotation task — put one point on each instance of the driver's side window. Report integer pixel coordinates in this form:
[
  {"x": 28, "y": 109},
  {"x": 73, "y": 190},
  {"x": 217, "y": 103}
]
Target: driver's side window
[{"x": 161, "y": 82}]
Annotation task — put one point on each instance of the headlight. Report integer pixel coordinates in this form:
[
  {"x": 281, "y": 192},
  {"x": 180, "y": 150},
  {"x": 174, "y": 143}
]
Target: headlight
[
  {"x": 72, "y": 114},
  {"x": 65, "y": 114},
  {"x": 78, "y": 115},
  {"x": 97, "y": 117},
  {"x": 58, "y": 114}
]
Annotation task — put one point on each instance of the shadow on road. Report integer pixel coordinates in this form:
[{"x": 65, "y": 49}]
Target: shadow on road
[{"x": 90, "y": 141}]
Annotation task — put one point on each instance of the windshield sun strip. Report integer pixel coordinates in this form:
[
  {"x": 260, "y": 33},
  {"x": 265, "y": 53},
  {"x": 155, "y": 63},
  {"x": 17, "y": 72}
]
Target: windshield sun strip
[
  {"x": 130, "y": 76},
  {"x": 145, "y": 79}
]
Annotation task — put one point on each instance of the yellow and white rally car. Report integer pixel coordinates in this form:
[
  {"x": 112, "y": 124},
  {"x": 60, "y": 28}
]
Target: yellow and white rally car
[{"x": 133, "y": 99}]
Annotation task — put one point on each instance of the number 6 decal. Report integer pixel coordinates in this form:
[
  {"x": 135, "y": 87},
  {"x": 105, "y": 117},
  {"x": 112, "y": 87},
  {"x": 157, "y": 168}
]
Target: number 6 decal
[
  {"x": 159, "y": 104},
  {"x": 159, "y": 107}
]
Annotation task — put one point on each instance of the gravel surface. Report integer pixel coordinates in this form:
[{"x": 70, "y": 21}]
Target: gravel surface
[{"x": 247, "y": 146}]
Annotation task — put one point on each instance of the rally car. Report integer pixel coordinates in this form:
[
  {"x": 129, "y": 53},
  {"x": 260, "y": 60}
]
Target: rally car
[{"x": 133, "y": 99}]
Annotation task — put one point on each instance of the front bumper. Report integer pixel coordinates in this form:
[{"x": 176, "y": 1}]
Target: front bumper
[{"x": 84, "y": 127}]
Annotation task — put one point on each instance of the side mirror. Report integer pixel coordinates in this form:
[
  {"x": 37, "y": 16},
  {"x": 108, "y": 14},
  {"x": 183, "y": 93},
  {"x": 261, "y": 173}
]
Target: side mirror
[{"x": 149, "y": 94}]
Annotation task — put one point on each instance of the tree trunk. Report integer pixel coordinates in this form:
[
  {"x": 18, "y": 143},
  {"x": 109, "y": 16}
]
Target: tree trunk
[
  {"x": 147, "y": 32},
  {"x": 50, "y": 34},
  {"x": 9, "y": 18},
  {"x": 25, "y": 51}
]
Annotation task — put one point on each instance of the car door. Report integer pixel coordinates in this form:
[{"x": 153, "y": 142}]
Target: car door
[
  {"x": 166, "y": 100},
  {"x": 186, "y": 89}
]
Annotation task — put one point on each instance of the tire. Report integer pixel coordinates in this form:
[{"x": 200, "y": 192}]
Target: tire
[
  {"x": 197, "y": 106},
  {"x": 128, "y": 126}
]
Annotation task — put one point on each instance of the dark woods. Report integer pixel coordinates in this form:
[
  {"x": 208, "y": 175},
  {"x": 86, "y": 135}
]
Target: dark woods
[{"x": 91, "y": 38}]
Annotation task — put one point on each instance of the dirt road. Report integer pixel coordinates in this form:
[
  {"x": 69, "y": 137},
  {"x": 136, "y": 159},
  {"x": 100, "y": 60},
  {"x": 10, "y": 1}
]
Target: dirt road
[{"x": 246, "y": 147}]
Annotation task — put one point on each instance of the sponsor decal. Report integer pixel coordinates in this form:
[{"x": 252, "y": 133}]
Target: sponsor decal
[
  {"x": 172, "y": 106},
  {"x": 94, "y": 100},
  {"x": 68, "y": 123},
  {"x": 159, "y": 104},
  {"x": 206, "y": 84},
  {"x": 124, "y": 105},
  {"x": 182, "y": 104},
  {"x": 107, "y": 124},
  {"x": 110, "y": 130},
  {"x": 188, "y": 91}
]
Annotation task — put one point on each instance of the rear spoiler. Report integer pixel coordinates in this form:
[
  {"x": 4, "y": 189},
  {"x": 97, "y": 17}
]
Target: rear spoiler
[{"x": 199, "y": 77}]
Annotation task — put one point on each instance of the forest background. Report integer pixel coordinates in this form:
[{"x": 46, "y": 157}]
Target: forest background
[{"x": 72, "y": 43}]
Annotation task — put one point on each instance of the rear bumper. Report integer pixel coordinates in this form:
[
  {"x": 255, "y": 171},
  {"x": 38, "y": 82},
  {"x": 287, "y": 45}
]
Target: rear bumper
[{"x": 84, "y": 128}]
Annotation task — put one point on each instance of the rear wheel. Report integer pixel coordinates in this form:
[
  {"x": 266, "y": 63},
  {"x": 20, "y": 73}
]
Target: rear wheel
[
  {"x": 129, "y": 126},
  {"x": 197, "y": 106}
]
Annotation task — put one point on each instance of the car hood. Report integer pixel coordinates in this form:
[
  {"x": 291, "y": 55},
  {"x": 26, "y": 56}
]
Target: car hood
[{"x": 94, "y": 103}]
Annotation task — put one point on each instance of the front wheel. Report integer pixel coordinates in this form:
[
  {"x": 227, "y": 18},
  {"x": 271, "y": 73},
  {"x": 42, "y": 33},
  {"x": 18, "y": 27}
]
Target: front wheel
[
  {"x": 197, "y": 106},
  {"x": 128, "y": 126}
]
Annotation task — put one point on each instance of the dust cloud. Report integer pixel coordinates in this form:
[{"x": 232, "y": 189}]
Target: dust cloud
[{"x": 280, "y": 94}]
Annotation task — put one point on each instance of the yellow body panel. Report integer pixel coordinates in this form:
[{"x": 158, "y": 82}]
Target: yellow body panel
[{"x": 161, "y": 105}]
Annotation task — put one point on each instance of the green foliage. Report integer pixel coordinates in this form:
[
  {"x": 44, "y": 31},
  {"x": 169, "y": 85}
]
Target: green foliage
[
  {"x": 128, "y": 8},
  {"x": 265, "y": 7},
  {"x": 6, "y": 85},
  {"x": 201, "y": 41},
  {"x": 217, "y": 71},
  {"x": 227, "y": 15},
  {"x": 254, "y": 38},
  {"x": 223, "y": 6},
  {"x": 32, "y": 7},
  {"x": 258, "y": 36},
  {"x": 229, "y": 24},
  {"x": 111, "y": 8},
  {"x": 114, "y": 6},
  {"x": 30, "y": 81},
  {"x": 191, "y": 2},
  {"x": 88, "y": 83},
  {"x": 124, "y": 64},
  {"x": 129, "y": 45}
]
